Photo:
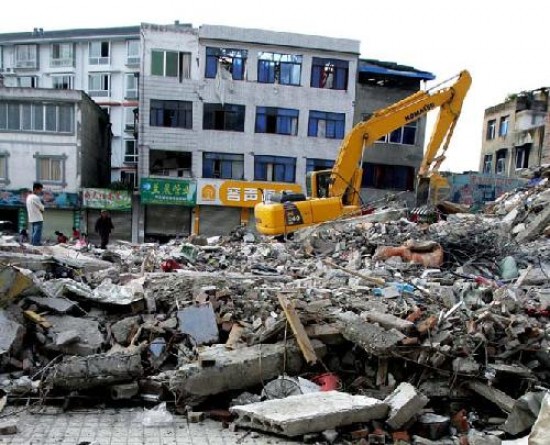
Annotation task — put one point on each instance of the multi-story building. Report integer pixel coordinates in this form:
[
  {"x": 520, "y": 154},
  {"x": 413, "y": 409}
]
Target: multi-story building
[
  {"x": 103, "y": 62},
  {"x": 391, "y": 164},
  {"x": 514, "y": 134},
  {"x": 240, "y": 111},
  {"x": 58, "y": 138}
]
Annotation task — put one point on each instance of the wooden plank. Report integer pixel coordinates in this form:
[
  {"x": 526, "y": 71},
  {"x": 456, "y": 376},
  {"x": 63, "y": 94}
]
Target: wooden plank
[{"x": 298, "y": 328}]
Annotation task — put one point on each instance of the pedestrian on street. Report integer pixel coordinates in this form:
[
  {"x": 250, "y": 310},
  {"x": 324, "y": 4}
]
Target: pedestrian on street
[
  {"x": 103, "y": 226},
  {"x": 35, "y": 213}
]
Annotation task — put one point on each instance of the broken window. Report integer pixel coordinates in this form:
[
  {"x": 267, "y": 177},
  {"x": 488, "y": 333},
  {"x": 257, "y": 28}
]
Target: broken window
[
  {"x": 329, "y": 73},
  {"x": 171, "y": 64},
  {"x": 491, "y": 129},
  {"x": 382, "y": 176},
  {"x": 488, "y": 164},
  {"x": 277, "y": 120},
  {"x": 223, "y": 166},
  {"x": 503, "y": 126},
  {"x": 274, "y": 168},
  {"x": 501, "y": 162},
  {"x": 285, "y": 69},
  {"x": 227, "y": 117},
  {"x": 326, "y": 125},
  {"x": 171, "y": 113},
  {"x": 233, "y": 61},
  {"x": 522, "y": 156}
]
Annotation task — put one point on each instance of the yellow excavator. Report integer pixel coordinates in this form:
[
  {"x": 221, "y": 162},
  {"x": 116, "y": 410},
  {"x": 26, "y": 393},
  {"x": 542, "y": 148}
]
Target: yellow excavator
[{"x": 335, "y": 193}]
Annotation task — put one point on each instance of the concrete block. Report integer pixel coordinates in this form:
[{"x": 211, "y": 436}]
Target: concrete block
[
  {"x": 224, "y": 369},
  {"x": 122, "y": 329},
  {"x": 499, "y": 398},
  {"x": 91, "y": 338},
  {"x": 309, "y": 413},
  {"x": 124, "y": 391},
  {"x": 59, "y": 305},
  {"x": 13, "y": 283},
  {"x": 67, "y": 337},
  {"x": 535, "y": 227},
  {"x": 405, "y": 402}
]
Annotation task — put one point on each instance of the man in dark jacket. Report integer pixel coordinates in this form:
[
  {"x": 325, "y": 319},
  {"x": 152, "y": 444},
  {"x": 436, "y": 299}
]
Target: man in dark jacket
[{"x": 103, "y": 226}]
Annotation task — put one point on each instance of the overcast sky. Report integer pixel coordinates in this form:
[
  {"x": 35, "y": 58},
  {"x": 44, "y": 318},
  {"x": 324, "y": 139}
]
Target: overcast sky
[{"x": 503, "y": 43}]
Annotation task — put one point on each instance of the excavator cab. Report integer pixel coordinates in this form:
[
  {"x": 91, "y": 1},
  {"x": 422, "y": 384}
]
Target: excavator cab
[{"x": 317, "y": 183}]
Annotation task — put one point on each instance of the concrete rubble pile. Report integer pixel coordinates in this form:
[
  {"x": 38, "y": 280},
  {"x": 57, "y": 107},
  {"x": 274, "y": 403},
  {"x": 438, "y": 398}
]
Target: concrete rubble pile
[{"x": 368, "y": 330}]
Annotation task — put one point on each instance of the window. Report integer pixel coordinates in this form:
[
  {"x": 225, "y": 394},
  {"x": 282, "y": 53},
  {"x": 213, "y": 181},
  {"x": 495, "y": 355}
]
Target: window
[
  {"x": 50, "y": 169},
  {"x": 326, "y": 125},
  {"x": 128, "y": 177},
  {"x": 488, "y": 164},
  {"x": 130, "y": 151},
  {"x": 501, "y": 162},
  {"x": 129, "y": 119},
  {"x": 131, "y": 90},
  {"x": 26, "y": 56},
  {"x": 100, "y": 53},
  {"x": 274, "y": 168},
  {"x": 227, "y": 117},
  {"x": 64, "y": 82},
  {"x": 62, "y": 54},
  {"x": 503, "y": 126},
  {"x": 491, "y": 129},
  {"x": 133, "y": 52},
  {"x": 4, "y": 168},
  {"x": 171, "y": 64},
  {"x": 313, "y": 165},
  {"x": 382, "y": 176},
  {"x": 277, "y": 120},
  {"x": 99, "y": 85},
  {"x": 522, "y": 156},
  {"x": 40, "y": 117},
  {"x": 232, "y": 61},
  {"x": 284, "y": 69},
  {"x": 27, "y": 81},
  {"x": 405, "y": 135},
  {"x": 223, "y": 165},
  {"x": 171, "y": 113},
  {"x": 329, "y": 73}
]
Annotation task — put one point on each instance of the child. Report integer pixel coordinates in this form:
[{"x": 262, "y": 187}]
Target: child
[{"x": 61, "y": 239}]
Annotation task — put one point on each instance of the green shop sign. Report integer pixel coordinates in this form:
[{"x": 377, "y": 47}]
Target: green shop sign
[
  {"x": 106, "y": 199},
  {"x": 168, "y": 191}
]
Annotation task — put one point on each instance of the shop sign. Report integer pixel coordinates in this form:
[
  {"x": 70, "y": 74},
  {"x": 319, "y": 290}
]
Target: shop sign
[
  {"x": 51, "y": 199},
  {"x": 107, "y": 199},
  {"x": 239, "y": 193},
  {"x": 168, "y": 191}
]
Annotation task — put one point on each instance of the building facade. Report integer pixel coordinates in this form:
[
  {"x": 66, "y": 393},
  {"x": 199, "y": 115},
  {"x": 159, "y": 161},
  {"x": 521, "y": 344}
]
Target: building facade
[
  {"x": 58, "y": 138},
  {"x": 235, "y": 113},
  {"x": 514, "y": 136},
  {"x": 103, "y": 62},
  {"x": 391, "y": 164}
]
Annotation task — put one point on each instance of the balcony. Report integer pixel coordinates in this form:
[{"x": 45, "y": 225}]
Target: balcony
[{"x": 26, "y": 64}]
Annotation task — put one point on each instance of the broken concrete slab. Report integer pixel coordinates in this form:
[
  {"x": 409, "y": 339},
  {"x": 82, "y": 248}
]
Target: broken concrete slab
[
  {"x": 535, "y": 227},
  {"x": 199, "y": 323},
  {"x": 91, "y": 338},
  {"x": 59, "y": 305},
  {"x": 75, "y": 373},
  {"x": 74, "y": 259},
  {"x": 389, "y": 321},
  {"x": 123, "y": 329},
  {"x": 67, "y": 337},
  {"x": 223, "y": 370},
  {"x": 11, "y": 334},
  {"x": 499, "y": 398},
  {"x": 371, "y": 337},
  {"x": 524, "y": 413},
  {"x": 110, "y": 293},
  {"x": 309, "y": 413},
  {"x": 405, "y": 403}
]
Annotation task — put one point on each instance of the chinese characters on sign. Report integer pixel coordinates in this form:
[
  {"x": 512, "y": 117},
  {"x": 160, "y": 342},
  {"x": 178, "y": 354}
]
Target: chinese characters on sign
[
  {"x": 107, "y": 199},
  {"x": 168, "y": 191}
]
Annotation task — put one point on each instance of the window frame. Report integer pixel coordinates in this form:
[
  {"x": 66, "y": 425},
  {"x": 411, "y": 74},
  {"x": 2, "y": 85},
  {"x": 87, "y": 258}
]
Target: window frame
[
  {"x": 266, "y": 167},
  {"x": 490, "y": 133},
  {"x": 234, "y": 59},
  {"x": 159, "y": 113},
  {"x": 99, "y": 58},
  {"x": 277, "y": 119},
  {"x": 33, "y": 117},
  {"x": 315, "y": 164},
  {"x": 64, "y": 77},
  {"x": 34, "y": 81},
  {"x": 503, "y": 124},
  {"x": 274, "y": 69},
  {"x": 131, "y": 78},
  {"x": 182, "y": 64},
  {"x": 132, "y": 157},
  {"x": 31, "y": 60},
  {"x": 223, "y": 117},
  {"x": 324, "y": 69},
  {"x": 100, "y": 92},
  {"x": 334, "y": 124},
  {"x": 67, "y": 61},
  {"x": 488, "y": 164},
  {"x": 522, "y": 157},
  {"x": 4, "y": 168},
  {"x": 500, "y": 160},
  {"x": 227, "y": 161},
  {"x": 133, "y": 59},
  {"x": 62, "y": 159}
]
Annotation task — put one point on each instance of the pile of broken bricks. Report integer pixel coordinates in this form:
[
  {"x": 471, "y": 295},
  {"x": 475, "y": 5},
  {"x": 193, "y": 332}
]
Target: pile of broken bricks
[{"x": 369, "y": 330}]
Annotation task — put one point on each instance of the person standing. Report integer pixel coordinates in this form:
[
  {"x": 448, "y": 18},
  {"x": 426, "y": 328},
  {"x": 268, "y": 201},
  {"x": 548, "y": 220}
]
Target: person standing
[
  {"x": 103, "y": 226},
  {"x": 35, "y": 213}
]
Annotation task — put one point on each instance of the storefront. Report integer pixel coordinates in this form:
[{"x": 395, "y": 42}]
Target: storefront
[
  {"x": 119, "y": 205},
  {"x": 61, "y": 214},
  {"x": 168, "y": 208},
  {"x": 223, "y": 205}
]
